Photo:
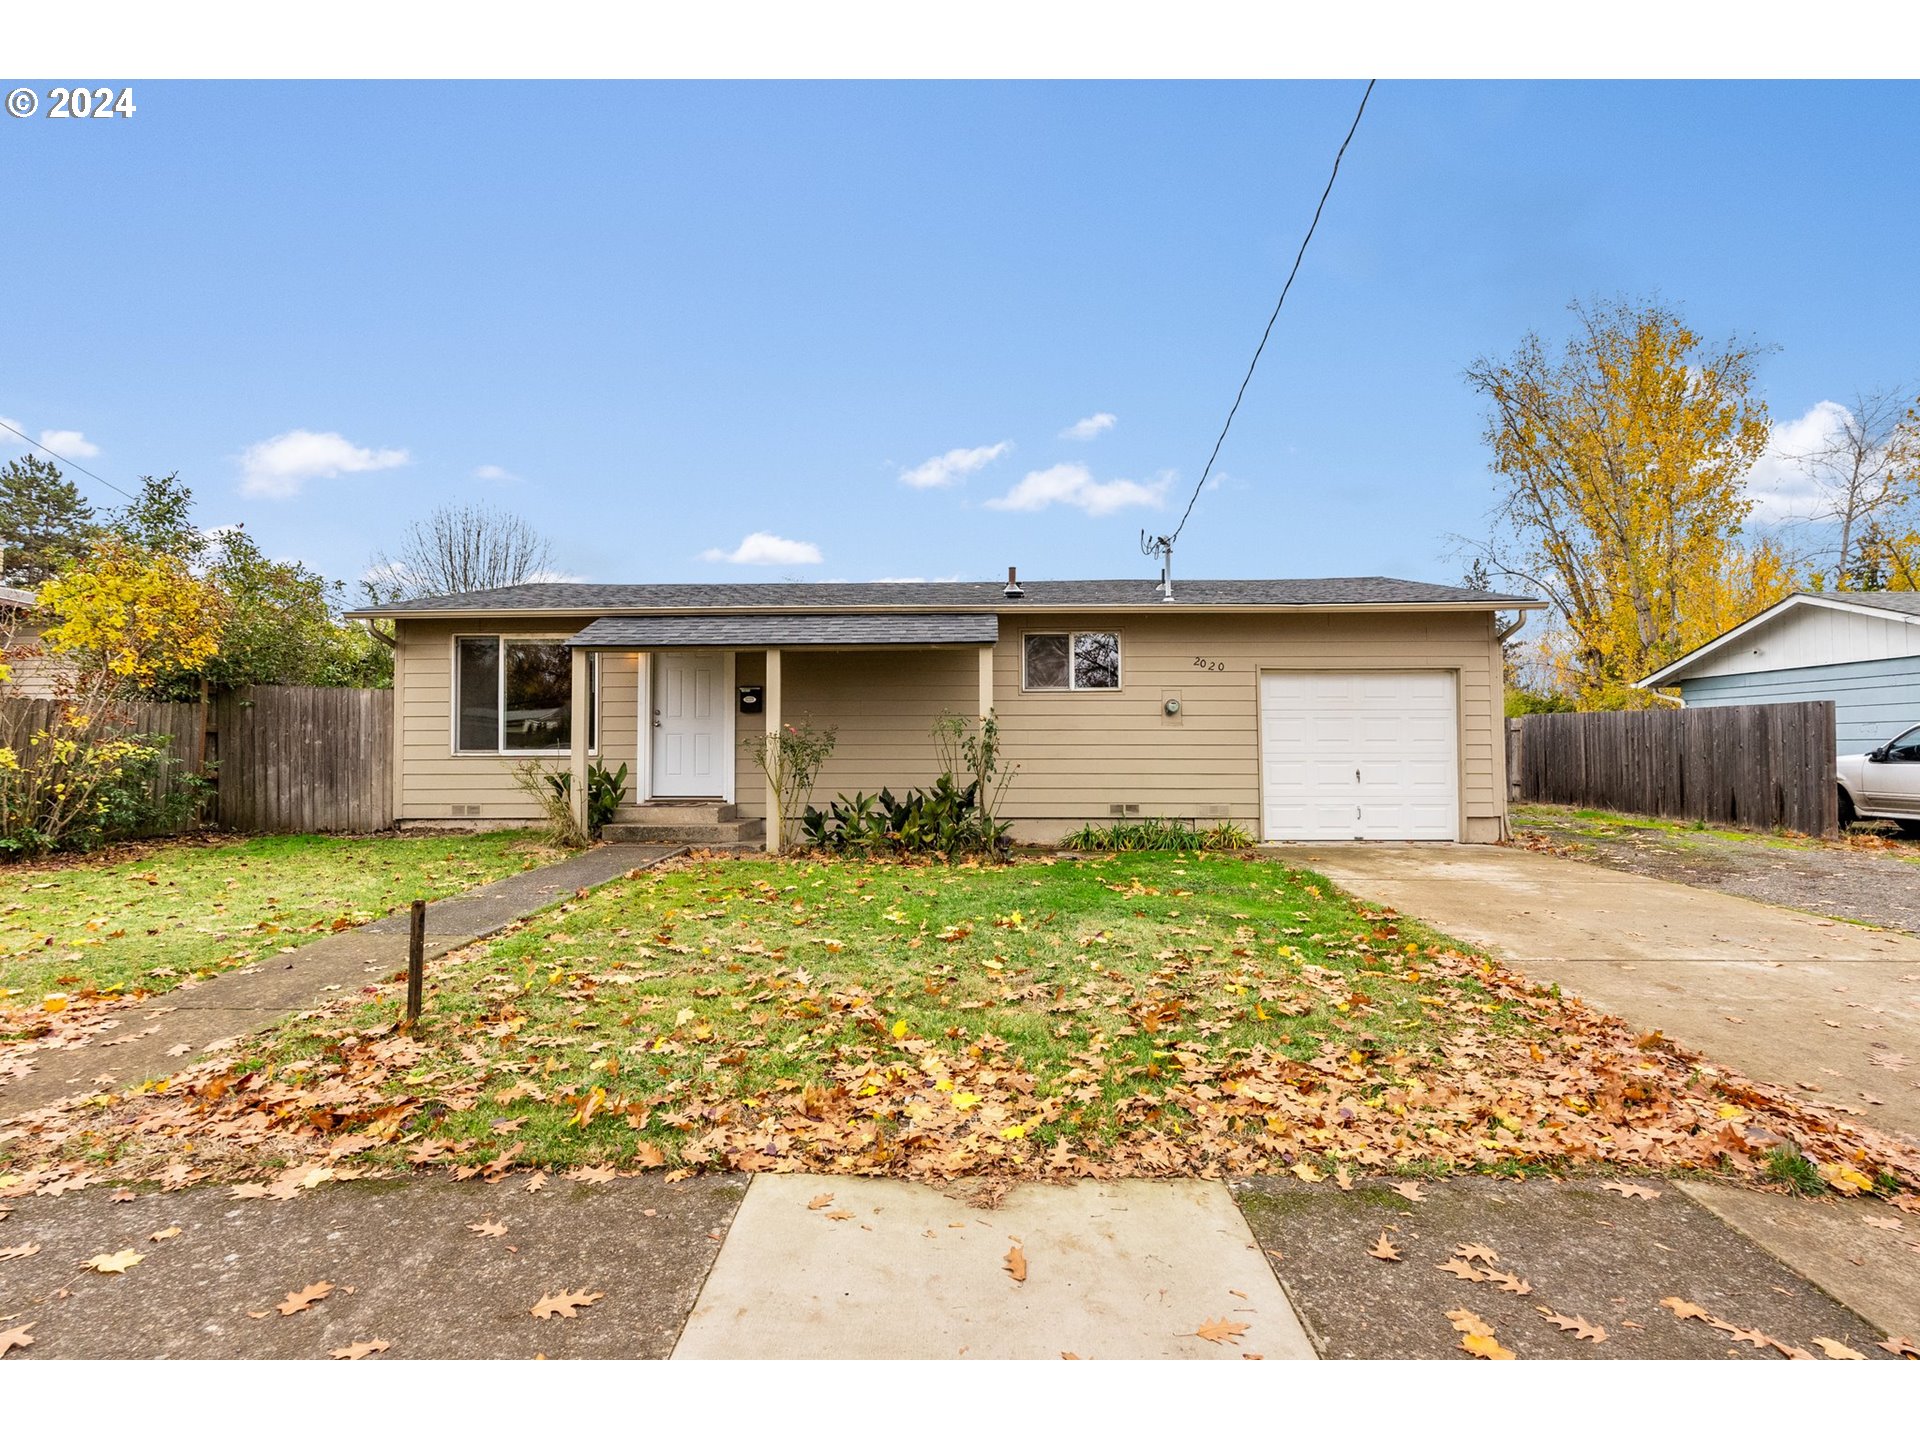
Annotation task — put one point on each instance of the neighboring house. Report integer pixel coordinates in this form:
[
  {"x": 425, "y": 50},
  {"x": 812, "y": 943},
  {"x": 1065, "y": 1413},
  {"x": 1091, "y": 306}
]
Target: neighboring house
[
  {"x": 35, "y": 675},
  {"x": 1300, "y": 709},
  {"x": 1859, "y": 649}
]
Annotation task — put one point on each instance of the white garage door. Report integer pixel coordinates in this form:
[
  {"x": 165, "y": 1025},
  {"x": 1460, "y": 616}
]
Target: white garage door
[{"x": 1359, "y": 755}]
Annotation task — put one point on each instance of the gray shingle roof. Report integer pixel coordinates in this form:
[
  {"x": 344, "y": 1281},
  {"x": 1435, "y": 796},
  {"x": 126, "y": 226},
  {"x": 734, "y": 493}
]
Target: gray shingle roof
[
  {"x": 1901, "y": 602},
  {"x": 653, "y": 631},
  {"x": 952, "y": 595}
]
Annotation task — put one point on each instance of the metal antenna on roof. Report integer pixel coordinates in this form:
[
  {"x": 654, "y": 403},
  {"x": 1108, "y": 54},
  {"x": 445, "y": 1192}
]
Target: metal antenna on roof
[{"x": 1161, "y": 545}]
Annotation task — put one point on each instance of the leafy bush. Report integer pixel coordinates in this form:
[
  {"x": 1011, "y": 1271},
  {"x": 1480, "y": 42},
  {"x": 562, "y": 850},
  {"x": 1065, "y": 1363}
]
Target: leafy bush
[
  {"x": 789, "y": 760},
  {"x": 604, "y": 791},
  {"x": 944, "y": 819},
  {"x": 1157, "y": 833},
  {"x": 75, "y": 783}
]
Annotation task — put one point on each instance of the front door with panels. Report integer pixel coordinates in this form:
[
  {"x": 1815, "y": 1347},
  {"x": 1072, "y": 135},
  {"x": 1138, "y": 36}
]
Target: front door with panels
[
  {"x": 1359, "y": 755},
  {"x": 690, "y": 723}
]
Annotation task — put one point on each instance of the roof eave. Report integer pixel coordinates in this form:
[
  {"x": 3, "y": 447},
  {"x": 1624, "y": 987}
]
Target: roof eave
[
  {"x": 1160, "y": 607},
  {"x": 1680, "y": 669}
]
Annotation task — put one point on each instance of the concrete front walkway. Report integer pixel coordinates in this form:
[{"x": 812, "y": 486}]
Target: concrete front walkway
[
  {"x": 884, "y": 1270},
  {"x": 204, "y": 1015},
  {"x": 1827, "y": 1008}
]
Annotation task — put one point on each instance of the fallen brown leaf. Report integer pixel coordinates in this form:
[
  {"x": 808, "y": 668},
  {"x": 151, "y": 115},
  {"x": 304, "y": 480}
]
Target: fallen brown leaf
[
  {"x": 821, "y": 1201},
  {"x": 565, "y": 1305},
  {"x": 1411, "y": 1189},
  {"x": 1468, "y": 1323},
  {"x": 1016, "y": 1263},
  {"x": 16, "y": 1339},
  {"x": 1632, "y": 1192},
  {"x": 1384, "y": 1249},
  {"x": 360, "y": 1349},
  {"x": 1574, "y": 1325},
  {"x": 1485, "y": 1347},
  {"x": 301, "y": 1300},
  {"x": 166, "y": 1234},
  {"x": 1478, "y": 1254},
  {"x": 592, "y": 1174},
  {"x": 492, "y": 1229},
  {"x": 1835, "y": 1350},
  {"x": 20, "y": 1252},
  {"x": 1221, "y": 1330},
  {"x": 117, "y": 1263}
]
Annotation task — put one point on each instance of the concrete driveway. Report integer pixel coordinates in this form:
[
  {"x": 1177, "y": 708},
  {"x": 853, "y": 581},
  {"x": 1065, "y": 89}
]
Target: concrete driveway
[{"x": 1825, "y": 1006}]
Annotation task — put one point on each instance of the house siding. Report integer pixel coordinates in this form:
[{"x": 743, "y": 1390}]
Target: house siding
[
  {"x": 1080, "y": 752},
  {"x": 33, "y": 677},
  {"x": 1873, "y": 699}
]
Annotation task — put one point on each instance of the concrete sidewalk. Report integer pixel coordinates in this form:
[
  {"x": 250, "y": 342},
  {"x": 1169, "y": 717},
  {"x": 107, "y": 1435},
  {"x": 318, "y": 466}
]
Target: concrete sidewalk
[
  {"x": 200, "y": 1016},
  {"x": 439, "y": 1269},
  {"x": 1829, "y": 1009}
]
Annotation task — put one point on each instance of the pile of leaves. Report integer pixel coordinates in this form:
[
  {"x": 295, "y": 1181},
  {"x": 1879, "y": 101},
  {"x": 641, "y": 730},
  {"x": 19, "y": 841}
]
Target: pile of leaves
[{"x": 1229, "y": 1017}]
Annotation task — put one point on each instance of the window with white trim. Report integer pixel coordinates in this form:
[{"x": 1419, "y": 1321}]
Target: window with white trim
[
  {"x": 1071, "y": 660},
  {"x": 515, "y": 697}
]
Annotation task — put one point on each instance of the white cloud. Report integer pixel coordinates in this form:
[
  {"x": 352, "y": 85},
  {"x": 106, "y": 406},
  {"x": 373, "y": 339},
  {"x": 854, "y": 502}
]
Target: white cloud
[
  {"x": 761, "y": 548},
  {"x": 950, "y": 468},
  {"x": 1780, "y": 489},
  {"x": 1073, "y": 484},
  {"x": 280, "y": 467},
  {"x": 70, "y": 443},
  {"x": 494, "y": 472},
  {"x": 1091, "y": 426}
]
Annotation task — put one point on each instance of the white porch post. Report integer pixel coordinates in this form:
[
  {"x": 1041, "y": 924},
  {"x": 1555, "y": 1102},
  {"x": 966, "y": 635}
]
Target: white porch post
[
  {"x": 770, "y": 702},
  {"x": 577, "y": 741},
  {"x": 986, "y": 681}
]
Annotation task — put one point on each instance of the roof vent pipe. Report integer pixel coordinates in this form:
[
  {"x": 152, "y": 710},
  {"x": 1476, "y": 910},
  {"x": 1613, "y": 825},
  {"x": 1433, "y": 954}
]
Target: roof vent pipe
[{"x": 1013, "y": 590}]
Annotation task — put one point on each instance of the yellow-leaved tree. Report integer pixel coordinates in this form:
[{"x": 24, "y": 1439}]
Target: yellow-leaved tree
[
  {"x": 1622, "y": 460},
  {"x": 132, "y": 615}
]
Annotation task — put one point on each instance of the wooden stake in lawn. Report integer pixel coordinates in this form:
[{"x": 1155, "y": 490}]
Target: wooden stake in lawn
[{"x": 416, "y": 961}]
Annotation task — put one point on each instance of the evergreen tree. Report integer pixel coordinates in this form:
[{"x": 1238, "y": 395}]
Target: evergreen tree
[{"x": 45, "y": 525}]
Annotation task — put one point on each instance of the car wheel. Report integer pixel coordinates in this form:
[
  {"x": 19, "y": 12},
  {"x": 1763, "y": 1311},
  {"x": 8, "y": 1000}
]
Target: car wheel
[
  {"x": 1909, "y": 828},
  {"x": 1847, "y": 813}
]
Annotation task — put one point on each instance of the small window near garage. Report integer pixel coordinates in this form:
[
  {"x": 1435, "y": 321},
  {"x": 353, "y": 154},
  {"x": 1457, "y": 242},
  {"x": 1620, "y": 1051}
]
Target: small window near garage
[
  {"x": 1076, "y": 660},
  {"x": 515, "y": 697}
]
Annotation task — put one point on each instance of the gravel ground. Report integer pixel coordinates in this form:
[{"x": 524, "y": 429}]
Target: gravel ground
[{"x": 1873, "y": 880}]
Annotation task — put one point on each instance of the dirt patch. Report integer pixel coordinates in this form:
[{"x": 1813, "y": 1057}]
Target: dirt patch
[
  {"x": 1583, "y": 1252},
  {"x": 1874, "y": 882}
]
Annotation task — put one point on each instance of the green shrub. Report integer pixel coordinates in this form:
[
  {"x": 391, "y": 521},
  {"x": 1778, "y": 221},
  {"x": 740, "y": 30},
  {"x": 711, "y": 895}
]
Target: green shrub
[
  {"x": 75, "y": 783},
  {"x": 944, "y": 819},
  {"x": 605, "y": 788},
  {"x": 1157, "y": 833}
]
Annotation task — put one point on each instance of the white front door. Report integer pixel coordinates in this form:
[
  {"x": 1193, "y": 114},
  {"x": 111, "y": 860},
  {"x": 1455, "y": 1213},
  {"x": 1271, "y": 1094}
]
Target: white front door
[
  {"x": 1359, "y": 755},
  {"x": 690, "y": 718}
]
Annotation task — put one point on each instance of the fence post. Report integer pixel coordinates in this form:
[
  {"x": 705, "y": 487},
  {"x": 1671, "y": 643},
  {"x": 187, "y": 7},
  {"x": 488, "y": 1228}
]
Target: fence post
[{"x": 416, "y": 960}]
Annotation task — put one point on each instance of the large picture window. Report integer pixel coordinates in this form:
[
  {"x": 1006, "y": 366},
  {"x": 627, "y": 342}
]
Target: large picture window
[
  {"x": 516, "y": 696},
  {"x": 1076, "y": 660}
]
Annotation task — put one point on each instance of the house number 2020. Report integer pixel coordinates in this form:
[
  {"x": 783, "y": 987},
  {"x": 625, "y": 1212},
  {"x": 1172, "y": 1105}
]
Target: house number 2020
[{"x": 1200, "y": 662}]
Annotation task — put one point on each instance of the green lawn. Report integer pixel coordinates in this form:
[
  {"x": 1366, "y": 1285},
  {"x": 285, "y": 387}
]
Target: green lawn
[
  {"x": 1134, "y": 1014},
  {"x": 189, "y": 908}
]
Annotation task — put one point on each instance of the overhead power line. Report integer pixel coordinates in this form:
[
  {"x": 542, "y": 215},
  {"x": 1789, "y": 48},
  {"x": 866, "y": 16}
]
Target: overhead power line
[
  {"x": 64, "y": 461},
  {"x": 1261, "y": 347}
]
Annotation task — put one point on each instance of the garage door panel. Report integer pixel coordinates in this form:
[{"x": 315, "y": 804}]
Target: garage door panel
[{"x": 1367, "y": 755}]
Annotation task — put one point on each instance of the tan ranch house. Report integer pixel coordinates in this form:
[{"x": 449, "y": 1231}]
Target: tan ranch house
[{"x": 1358, "y": 708}]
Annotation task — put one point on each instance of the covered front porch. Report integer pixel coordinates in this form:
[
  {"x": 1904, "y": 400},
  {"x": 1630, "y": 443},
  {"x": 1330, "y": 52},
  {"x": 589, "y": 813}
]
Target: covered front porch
[{"x": 705, "y": 687}]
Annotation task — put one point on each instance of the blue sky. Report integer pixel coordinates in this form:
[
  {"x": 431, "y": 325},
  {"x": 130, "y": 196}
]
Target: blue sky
[{"x": 659, "y": 318}]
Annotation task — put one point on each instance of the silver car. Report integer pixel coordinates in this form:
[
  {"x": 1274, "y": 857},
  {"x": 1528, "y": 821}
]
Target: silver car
[{"x": 1884, "y": 784}]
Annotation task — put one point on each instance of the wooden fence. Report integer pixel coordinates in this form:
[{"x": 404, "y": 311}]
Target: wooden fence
[
  {"x": 1762, "y": 767},
  {"x": 286, "y": 759},
  {"x": 295, "y": 760}
]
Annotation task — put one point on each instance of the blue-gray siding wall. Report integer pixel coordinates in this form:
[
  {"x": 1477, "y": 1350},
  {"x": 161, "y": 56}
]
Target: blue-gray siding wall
[{"x": 1873, "y": 700}]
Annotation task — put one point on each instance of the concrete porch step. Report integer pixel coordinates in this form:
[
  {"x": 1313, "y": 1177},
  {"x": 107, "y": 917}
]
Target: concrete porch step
[
  {"x": 668, "y": 831},
  {"x": 677, "y": 812}
]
